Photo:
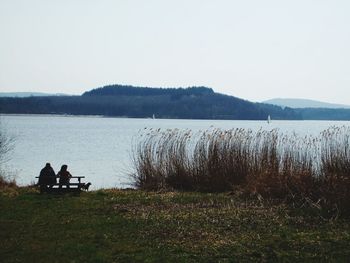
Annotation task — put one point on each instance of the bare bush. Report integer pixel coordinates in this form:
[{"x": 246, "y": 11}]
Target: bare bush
[{"x": 6, "y": 146}]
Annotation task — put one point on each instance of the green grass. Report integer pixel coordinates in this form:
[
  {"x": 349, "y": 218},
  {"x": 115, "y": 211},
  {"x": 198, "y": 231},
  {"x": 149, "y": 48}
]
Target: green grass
[{"x": 139, "y": 226}]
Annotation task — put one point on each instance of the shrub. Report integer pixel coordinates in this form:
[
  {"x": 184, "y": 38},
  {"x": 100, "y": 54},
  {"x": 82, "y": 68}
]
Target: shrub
[{"x": 6, "y": 146}]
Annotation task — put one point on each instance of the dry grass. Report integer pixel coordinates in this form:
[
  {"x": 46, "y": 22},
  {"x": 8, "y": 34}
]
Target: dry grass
[
  {"x": 7, "y": 183},
  {"x": 269, "y": 164},
  {"x": 8, "y": 186}
]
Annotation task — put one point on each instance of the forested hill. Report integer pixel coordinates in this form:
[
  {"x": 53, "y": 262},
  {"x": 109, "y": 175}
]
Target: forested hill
[
  {"x": 143, "y": 102},
  {"x": 124, "y": 90}
]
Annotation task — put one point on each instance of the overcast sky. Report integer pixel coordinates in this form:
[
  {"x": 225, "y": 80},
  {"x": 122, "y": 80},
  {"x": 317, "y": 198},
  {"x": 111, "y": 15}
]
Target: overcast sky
[{"x": 251, "y": 49}]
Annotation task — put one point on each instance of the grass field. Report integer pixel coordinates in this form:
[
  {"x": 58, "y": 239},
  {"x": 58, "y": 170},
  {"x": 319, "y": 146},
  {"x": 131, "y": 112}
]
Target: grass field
[{"x": 140, "y": 226}]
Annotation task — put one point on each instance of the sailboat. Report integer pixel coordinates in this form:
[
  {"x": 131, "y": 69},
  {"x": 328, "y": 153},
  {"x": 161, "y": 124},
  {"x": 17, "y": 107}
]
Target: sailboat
[
  {"x": 153, "y": 116},
  {"x": 268, "y": 119}
]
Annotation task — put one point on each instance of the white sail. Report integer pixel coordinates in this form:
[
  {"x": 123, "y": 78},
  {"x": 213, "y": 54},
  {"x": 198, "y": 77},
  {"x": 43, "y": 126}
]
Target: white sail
[{"x": 268, "y": 119}]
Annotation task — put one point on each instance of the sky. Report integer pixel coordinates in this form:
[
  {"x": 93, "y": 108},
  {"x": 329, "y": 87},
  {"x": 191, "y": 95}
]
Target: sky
[{"x": 251, "y": 49}]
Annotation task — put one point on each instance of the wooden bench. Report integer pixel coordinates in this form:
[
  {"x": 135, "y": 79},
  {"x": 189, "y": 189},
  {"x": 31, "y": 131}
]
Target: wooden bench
[{"x": 62, "y": 188}]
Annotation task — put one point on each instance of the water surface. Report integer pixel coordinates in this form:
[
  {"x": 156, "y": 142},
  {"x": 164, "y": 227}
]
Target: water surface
[{"x": 100, "y": 148}]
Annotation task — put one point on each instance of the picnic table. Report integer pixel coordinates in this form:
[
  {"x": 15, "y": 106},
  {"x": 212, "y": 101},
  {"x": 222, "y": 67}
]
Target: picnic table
[{"x": 71, "y": 187}]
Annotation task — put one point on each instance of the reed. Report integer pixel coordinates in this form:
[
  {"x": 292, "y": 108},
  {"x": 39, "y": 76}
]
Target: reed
[
  {"x": 335, "y": 167},
  {"x": 268, "y": 164}
]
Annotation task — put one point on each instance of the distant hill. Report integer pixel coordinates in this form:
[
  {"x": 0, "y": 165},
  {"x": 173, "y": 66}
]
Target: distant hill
[
  {"x": 171, "y": 103},
  {"x": 143, "y": 102},
  {"x": 28, "y": 94},
  {"x": 305, "y": 103},
  {"x": 126, "y": 90}
]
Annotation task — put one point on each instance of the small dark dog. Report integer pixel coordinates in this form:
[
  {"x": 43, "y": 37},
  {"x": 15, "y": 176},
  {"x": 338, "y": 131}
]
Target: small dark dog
[{"x": 86, "y": 186}]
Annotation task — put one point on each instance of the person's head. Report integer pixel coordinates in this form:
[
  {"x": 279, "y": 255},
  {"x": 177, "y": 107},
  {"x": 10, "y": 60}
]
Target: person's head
[
  {"x": 48, "y": 165},
  {"x": 64, "y": 167}
]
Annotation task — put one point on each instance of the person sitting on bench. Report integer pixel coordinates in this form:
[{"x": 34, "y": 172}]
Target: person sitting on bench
[
  {"x": 64, "y": 176},
  {"x": 47, "y": 177}
]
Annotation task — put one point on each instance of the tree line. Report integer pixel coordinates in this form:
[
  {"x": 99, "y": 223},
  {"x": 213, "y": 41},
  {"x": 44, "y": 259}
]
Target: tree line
[{"x": 143, "y": 102}]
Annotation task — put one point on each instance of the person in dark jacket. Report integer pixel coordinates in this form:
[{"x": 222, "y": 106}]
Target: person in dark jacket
[
  {"x": 64, "y": 176},
  {"x": 47, "y": 177}
]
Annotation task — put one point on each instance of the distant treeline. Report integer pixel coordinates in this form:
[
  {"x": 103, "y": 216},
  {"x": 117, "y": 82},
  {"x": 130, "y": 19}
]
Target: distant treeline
[
  {"x": 324, "y": 114},
  {"x": 143, "y": 102},
  {"x": 124, "y": 90}
]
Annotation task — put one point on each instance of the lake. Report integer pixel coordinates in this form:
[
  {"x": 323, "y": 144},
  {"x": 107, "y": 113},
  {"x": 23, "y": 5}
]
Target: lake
[{"x": 101, "y": 148}]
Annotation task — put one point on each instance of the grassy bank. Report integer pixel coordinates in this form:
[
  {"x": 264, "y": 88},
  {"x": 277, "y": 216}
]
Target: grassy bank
[{"x": 139, "y": 226}]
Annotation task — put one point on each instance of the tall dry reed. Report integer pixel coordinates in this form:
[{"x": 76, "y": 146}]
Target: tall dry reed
[{"x": 266, "y": 163}]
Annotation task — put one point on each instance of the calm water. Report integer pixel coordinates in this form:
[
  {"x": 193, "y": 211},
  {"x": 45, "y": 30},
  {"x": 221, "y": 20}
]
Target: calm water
[{"x": 100, "y": 148}]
